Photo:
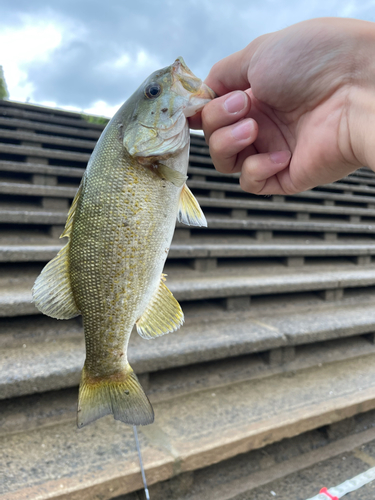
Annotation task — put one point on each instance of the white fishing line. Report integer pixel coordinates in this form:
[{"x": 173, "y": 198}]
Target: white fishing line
[
  {"x": 140, "y": 462},
  {"x": 346, "y": 487}
]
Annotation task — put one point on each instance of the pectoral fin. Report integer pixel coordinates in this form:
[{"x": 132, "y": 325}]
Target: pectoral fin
[
  {"x": 52, "y": 291},
  {"x": 173, "y": 176},
  {"x": 163, "y": 314},
  {"x": 189, "y": 211}
]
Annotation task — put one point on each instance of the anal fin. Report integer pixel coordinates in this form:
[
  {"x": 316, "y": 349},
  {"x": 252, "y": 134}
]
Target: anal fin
[
  {"x": 189, "y": 211},
  {"x": 163, "y": 314}
]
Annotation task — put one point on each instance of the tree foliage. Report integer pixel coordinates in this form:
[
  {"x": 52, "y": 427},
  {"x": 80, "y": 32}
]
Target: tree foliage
[
  {"x": 4, "y": 94},
  {"x": 100, "y": 120}
]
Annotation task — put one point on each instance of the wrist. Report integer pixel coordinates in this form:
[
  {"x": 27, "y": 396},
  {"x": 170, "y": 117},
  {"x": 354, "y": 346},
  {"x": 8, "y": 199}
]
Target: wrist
[{"x": 360, "y": 109}]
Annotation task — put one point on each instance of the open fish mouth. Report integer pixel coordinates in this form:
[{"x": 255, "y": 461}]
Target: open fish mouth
[{"x": 197, "y": 92}]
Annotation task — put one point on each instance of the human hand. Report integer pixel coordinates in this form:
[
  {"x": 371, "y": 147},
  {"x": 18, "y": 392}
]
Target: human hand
[{"x": 291, "y": 112}]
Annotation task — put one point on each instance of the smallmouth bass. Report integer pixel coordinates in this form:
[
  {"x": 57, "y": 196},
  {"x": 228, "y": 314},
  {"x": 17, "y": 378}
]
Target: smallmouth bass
[{"x": 119, "y": 231}]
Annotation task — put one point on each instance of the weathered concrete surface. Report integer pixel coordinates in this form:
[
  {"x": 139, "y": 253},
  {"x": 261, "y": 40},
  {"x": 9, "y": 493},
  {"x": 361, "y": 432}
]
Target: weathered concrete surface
[
  {"x": 190, "y": 432},
  {"x": 283, "y": 224},
  {"x": 35, "y": 190},
  {"x": 42, "y": 116},
  {"x": 284, "y": 464},
  {"x": 189, "y": 285},
  {"x": 11, "y": 216},
  {"x": 206, "y": 250},
  {"x": 47, "y": 139},
  {"x": 283, "y": 207},
  {"x": 50, "y": 128},
  {"x": 43, "y": 152}
]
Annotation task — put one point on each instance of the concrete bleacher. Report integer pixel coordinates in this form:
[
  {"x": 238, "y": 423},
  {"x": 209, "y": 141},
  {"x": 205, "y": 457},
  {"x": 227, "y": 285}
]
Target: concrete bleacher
[{"x": 277, "y": 347}]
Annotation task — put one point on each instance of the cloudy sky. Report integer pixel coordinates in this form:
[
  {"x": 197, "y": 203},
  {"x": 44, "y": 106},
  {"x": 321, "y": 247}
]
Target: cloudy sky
[{"x": 91, "y": 55}]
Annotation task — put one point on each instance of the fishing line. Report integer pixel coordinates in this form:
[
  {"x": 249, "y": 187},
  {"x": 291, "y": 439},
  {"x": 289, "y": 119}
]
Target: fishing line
[
  {"x": 346, "y": 487},
  {"x": 140, "y": 462}
]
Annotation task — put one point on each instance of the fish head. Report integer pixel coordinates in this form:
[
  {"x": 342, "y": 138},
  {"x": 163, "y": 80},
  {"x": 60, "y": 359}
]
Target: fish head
[{"x": 155, "y": 123}]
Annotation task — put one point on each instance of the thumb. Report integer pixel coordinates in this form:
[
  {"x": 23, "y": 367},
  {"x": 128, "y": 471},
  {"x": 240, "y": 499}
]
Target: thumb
[{"x": 231, "y": 73}]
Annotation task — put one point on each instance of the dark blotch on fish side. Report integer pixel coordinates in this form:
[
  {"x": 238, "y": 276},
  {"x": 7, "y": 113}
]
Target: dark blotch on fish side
[{"x": 164, "y": 110}]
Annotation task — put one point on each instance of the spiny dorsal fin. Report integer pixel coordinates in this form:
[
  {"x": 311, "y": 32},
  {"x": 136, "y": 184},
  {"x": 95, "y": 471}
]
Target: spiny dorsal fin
[
  {"x": 163, "y": 314},
  {"x": 69, "y": 221},
  {"x": 52, "y": 291},
  {"x": 189, "y": 211}
]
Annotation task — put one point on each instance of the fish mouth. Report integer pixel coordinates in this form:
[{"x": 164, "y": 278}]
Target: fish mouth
[{"x": 197, "y": 92}]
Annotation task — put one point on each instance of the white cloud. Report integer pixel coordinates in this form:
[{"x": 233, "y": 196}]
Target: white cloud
[
  {"x": 101, "y": 108},
  {"x": 33, "y": 40}
]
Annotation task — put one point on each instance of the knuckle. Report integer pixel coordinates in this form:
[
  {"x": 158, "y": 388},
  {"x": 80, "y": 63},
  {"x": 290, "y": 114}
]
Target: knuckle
[
  {"x": 218, "y": 146},
  {"x": 249, "y": 186}
]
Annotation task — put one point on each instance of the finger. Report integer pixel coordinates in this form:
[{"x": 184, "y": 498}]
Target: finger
[
  {"x": 195, "y": 121},
  {"x": 227, "y": 144},
  {"x": 267, "y": 174},
  {"x": 224, "y": 111}
]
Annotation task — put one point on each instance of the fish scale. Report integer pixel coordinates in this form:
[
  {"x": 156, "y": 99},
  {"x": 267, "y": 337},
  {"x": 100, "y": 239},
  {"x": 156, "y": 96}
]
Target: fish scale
[
  {"x": 139, "y": 249},
  {"x": 119, "y": 230}
]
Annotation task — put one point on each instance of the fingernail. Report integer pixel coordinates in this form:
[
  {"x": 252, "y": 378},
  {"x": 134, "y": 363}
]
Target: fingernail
[
  {"x": 243, "y": 130},
  {"x": 235, "y": 102},
  {"x": 280, "y": 156}
]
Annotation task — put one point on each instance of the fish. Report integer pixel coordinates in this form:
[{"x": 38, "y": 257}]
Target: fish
[{"x": 119, "y": 229}]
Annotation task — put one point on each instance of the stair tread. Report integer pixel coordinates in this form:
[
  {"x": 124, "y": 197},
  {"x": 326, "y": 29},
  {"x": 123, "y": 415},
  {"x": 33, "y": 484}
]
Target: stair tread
[{"x": 195, "y": 430}]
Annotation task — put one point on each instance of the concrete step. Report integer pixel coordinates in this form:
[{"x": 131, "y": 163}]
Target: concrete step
[
  {"x": 41, "y": 116},
  {"x": 46, "y": 110},
  {"x": 306, "y": 208},
  {"x": 190, "y": 432},
  {"x": 39, "y": 168},
  {"x": 47, "y": 128},
  {"x": 40, "y": 139},
  {"x": 43, "y": 354},
  {"x": 20, "y": 189},
  {"x": 295, "y": 468},
  {"x": 281, "y": 224},
  {"x": 360, "y": 180},
  {"x": 56, "y": 154},
  {"x": 235, "y": 284},
  {"x": 15, "y": 188},
  {"x": 55, "y": 216},
  {"x": 199, "y": 174},
  {"x": 46, "y": 250},
  {"x": 230, "y": 190},
  {"x": 345, "y": 187}
]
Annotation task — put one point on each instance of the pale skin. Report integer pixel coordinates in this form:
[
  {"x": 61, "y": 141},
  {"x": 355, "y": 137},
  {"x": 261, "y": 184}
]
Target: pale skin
[{"x": 296, "y": 108}]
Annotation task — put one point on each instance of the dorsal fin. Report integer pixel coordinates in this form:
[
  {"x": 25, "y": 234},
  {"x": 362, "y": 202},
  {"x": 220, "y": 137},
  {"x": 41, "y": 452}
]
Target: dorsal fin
[{"x": 69, "y": 221}]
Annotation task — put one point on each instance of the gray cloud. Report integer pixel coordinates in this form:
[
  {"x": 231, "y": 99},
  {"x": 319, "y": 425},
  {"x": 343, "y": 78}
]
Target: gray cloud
[{"x": 82, "y": 70}]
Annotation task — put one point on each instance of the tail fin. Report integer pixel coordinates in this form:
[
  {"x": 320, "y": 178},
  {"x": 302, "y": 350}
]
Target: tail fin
[{"x": 120, "y": 394}]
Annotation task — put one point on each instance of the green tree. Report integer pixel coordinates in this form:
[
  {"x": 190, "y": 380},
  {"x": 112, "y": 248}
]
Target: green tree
[{"x": 4, "y": 94}]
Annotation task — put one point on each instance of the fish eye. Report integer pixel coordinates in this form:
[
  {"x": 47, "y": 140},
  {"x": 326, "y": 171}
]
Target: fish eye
[{"x": 153, "y": 90}]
